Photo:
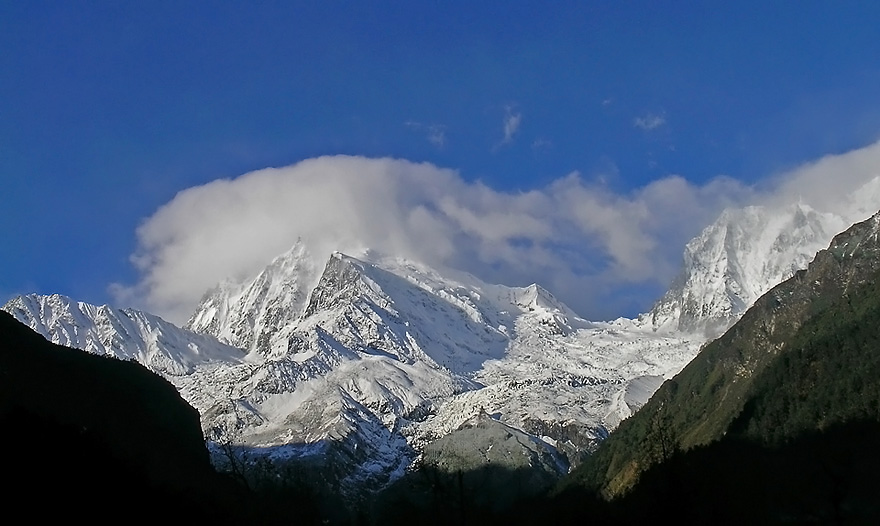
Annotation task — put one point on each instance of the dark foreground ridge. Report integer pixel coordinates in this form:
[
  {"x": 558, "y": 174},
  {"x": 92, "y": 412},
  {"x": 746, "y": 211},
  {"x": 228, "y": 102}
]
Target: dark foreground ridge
[{"x": 106, "y": 440}]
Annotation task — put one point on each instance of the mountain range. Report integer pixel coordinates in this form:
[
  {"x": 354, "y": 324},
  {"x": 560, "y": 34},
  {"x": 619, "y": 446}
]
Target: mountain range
[{"x": 360, "y": 364}]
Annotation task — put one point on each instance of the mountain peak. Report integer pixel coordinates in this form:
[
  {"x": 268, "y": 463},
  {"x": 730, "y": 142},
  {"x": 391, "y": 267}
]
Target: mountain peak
[
  {"x": 290, "y": 260},
  {"x": 536, "y": 297},
  {"x": 735, "y": 260},
  {"x": 337, "y": 282},
  {"x": 790, "y": 345},
  {"x": 248, "y": 314}
]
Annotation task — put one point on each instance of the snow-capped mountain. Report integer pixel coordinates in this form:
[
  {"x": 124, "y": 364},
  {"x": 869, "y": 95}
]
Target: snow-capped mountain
[
  {"x": 422, "y": 353},
  {"x": 745, "y": 253},
  {"x": 248, "y": 315},
  {"x": 381, "y": 358},
  {"x": 363, "y": 361},
  {"x": 736, "y": 260}
]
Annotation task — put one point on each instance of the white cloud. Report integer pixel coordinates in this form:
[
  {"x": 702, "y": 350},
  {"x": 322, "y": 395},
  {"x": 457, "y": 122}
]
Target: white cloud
[
  {"x": 233, "y": 227},
  {"x": 580, "y": 239},
  {"x": 650, "y": 121},
  {"x": 512, "y": 121},
  {"x": 833, "y": 183},
  {"x": 435, "y": 133}
]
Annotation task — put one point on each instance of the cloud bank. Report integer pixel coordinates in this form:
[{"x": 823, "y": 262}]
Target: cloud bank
[{"x": 599, "y": 251}]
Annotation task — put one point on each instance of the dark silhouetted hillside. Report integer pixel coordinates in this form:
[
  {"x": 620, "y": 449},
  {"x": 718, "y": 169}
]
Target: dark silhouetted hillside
[{"x": 83, "y": 436}]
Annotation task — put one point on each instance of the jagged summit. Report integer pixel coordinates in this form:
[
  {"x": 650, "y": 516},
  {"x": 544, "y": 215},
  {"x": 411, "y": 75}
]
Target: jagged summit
[
  {"x": 263, "y": 315},
  {"x": 536, "y": 297},
  {"x": 735, "y": 260},
  {"x": 248, "y": 314}
]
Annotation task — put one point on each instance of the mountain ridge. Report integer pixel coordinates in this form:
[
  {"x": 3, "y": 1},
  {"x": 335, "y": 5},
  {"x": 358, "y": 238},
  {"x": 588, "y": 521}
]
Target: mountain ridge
[{"x": 701, "y": 403}]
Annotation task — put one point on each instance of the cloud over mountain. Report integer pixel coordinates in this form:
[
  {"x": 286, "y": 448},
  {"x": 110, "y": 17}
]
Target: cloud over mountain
[{"x": 580, "y": 239}]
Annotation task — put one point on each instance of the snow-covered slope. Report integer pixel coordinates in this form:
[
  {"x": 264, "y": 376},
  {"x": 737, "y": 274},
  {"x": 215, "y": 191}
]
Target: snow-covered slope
[
  {"x": 124, "y": 334},
  {"x": 421, "y": 353},
  {"x": 248, "y": 315},
  {"x": 744, "y": 254},
  {"x": 736, "y": 260}
]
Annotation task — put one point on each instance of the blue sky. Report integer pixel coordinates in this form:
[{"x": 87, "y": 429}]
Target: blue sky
[{"x": 108, "y": 111}]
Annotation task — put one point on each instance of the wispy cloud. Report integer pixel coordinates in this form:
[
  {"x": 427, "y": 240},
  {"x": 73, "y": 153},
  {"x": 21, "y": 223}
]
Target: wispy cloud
[
  {"x": 650, "y": 121},
  {"x": 576, "y": 236},
  {"x": 541, "y": 144},
  {"x": 510, "y": 125},
  {"x": 435, "y": 133}
]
